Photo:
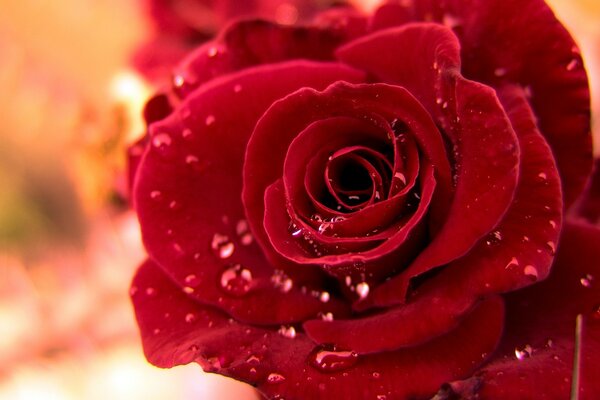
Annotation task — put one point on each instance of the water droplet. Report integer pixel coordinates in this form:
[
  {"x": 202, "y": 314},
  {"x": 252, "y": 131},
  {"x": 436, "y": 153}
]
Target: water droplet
[
  {"x": 324, "y": 297},
  {"x": 445, "y": 105},
  {"x": 551, "y": 247},
  {"x": 282, "y": 281},
  {"x": 222, "y": 246},
  {"x": 242, "y": 229},
  {"x": 552, "y": 224},
  {"x": 178, "y": 81},
  {"x": 376, "y": 375},
  {"x": 587, "y": 280},
  {"x": 156, "y": 331},
  {"x": 401, "y": 177},
  {"x": 191, "y": 279},
  {"x": 288, "y": 332},
  {"x": 327, "y": 358},
  {"x": 326, "y": 316},
  {"x": 237, "y": 88},
  {"x": 512, "y": 263},
  {"x": 572, "y": 64},
  {"x": 438, "y": 100},
  {"x": 348, "y": 280},
  {"x": 191, "y": 159},
  {"x": 531, "y": 271},
  {"x": 381, "y": 397},
  {"x": 133, "y": 290},
  {"x": 499, "y": 72},
  {"x": 150, "y": 291},
  {"x": 188, "y": 290},
  {"x": 161, "y": 140},
  {"x": 362, "y": 289},
  {"x": 542, "y": 176},
  {"x": 451, "y": 21},
  {"x": 155, "y": 194},
  {"x": 274, "y": 378},
  {"x": 213, "y": 51},
  {"x": 186, "y": 133},
  {"x": 523, "y": 353},
  {"x": 252, "y": 359},
  {"x": 236, "y": 280},
  {"x": 190, "y": 317},
  {"x": 209, "y": 120},
  {"x": 494, "y": 238}
]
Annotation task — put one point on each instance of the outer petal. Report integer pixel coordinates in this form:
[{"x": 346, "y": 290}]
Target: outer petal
[
  {"x": 521, "y": 248},
  {"x": 541, "y": 330},
  {"x": 529, "y": 47},
  {"x": 176, "y": 330},
  {"x": 425, "y": 59},
  {"x": 188, "y": 189},
  {"x": 250, "y": 43}
]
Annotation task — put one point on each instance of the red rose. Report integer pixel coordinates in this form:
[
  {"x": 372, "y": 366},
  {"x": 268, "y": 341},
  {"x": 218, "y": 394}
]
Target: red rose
[{"x": 347, "y": 209}]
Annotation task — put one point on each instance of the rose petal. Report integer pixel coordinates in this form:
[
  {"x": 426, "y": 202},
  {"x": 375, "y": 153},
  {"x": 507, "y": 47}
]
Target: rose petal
[
  {"x": 548, "y": 64},
  {"x": 521, "y": 248},
  {"x": 181, "y": 219},
  {"x": 539, "y": 340},
  {"x": 471, "y": 116},
  {"x": 250, "y": 43},
  {"x": 176, "y": 330}
]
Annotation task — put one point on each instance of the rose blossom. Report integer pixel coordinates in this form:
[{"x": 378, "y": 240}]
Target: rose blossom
[{"x": 365, "y": 207}]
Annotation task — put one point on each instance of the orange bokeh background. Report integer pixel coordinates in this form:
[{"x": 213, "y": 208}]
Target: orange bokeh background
[{"x": 68, "y": 246}]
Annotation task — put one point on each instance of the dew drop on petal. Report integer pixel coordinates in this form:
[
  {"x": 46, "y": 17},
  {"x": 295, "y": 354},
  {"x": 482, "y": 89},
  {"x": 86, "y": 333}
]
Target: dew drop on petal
[
  {"x": 400, "y": 176},
  {"x": 274, "y": 378},
  {"x": 362, "y": 289},
  {"x": 161, "y": 140},
  {"x": 133, "y": 290},
  {"x": 324, "y": 297},
  {"x": 186, "y": 133},
  {"x": 551, "y": 247},
  {"x": 494, "y": 238},
  {"x": 155, "y": 194},
  {"x": 586, "y": 281},
  {"x": 188, "y": 290},
  {"x": 222, "y": 245},
  {"x": 191, "y": 159},
  {"x": 499, "y": 72},
  {"x": 523, "y": 353},
  {"x": 287, "y": 331},
  {"x": 178, "y": 81},
  {"x": 191, "y": 279},
  {"x": 236, "y": 280},
  {"x": 209, "y": 120},
  {"x": 150, "y": 291},
  {"x": 531, "y": 271},
  {"x": 326, "y": 316},
  {"x": 213, "y": 51},
  {"x": 512, "y": 263},
  {"x": 572, "y": 64},
  {"x": 327, "y": 358},
  {"x": 190, "y": 317},
  {"x": 237, "y": 88}
]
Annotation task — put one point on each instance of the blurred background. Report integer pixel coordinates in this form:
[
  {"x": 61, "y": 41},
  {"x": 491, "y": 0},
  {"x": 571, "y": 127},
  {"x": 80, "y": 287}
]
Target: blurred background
[{"x": 70, "y": 100}]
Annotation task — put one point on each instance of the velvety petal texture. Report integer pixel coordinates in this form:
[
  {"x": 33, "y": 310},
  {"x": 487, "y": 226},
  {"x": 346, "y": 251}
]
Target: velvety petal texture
[{"x": 372, "y": 207}]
